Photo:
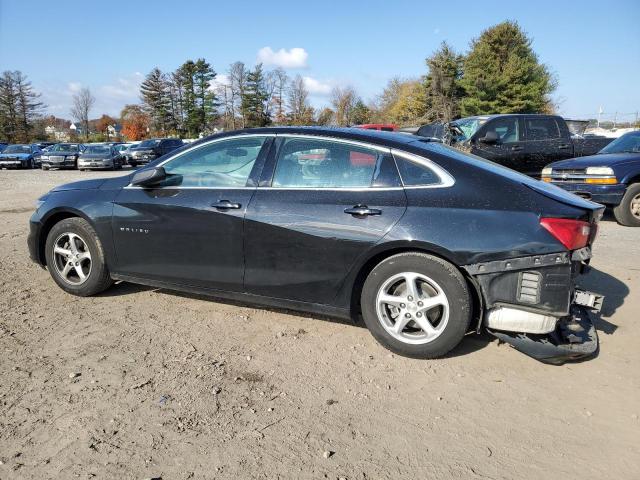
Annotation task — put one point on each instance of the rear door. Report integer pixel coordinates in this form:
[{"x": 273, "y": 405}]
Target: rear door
[
  {"x": 321, "y": 204},
  {"x": 546, "y": 141},
  {"x": 509, "y": 150}
]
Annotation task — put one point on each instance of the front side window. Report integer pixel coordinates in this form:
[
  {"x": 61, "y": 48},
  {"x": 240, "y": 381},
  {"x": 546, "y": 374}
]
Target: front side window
[
  {"x": 542, "y": 129},
  {"x": 226, "y": 163},
  {"x": 317, "y": 163},
  {"x": 507, "y": 129}
]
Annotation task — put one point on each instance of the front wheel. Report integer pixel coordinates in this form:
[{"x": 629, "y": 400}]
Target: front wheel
[
  {"x": 628, "y": 212},
  {"x": 416, "y": 305},
  {"x": 75, "y": 258}
]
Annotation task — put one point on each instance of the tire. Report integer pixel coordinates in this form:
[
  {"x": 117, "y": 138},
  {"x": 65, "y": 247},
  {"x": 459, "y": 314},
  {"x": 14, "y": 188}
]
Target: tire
[
  {"x": 436, "y": 279},
  {"x": 29, "y": 164},
  {"x": 630, "y": 203},
  {"x": 44, "y": 167},
  {"x": 93, "y": 266}
]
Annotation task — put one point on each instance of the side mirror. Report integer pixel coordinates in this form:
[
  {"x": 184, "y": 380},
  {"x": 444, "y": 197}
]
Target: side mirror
[
  {"x": 148, "y": 177},
  {"x": 490, "y": 137}
]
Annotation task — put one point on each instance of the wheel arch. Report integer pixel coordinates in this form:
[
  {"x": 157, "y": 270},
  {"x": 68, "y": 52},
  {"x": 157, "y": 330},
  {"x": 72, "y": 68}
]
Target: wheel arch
[
  {"x": 632, "y": 178},
  {"x": 375, "y": 257},
  {"x": 52, "y": 218}
]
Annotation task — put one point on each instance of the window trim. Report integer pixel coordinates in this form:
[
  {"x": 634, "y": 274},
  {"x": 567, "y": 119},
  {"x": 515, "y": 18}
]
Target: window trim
[
  {"x": 446, "y": 180},
  {"x": 347, "y": 141},
  {"x": 204, "y": 144}
]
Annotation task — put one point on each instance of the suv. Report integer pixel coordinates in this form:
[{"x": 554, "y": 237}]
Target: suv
[{"x": 149, "y": 150}]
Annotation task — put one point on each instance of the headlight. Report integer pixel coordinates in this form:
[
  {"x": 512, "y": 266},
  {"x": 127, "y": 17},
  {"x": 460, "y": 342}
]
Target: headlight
[
  {"x": 71, "y": 157},
  {"x": 547, "y": 171},
  {"x": 599, "y": 171}
]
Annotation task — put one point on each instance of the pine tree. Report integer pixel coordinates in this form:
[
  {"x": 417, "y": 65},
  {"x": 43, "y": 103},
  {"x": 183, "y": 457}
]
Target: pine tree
[
  {"x": 442, "y": 85},
  {"x": 502, "y": 74},
  {"x": 155, "y": 95},
  {"x": 360, "y": 113},
  {"x": 255, "y": 99},
  {"x": 19, "y": 107},
  {"x": 206, "y": 101}
]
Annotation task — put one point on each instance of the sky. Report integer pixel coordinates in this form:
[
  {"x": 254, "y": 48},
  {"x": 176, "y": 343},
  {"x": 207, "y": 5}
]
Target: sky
[{"x": 592, "y": 47}]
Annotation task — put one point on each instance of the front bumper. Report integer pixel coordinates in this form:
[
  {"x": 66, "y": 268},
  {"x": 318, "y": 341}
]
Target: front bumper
[
  {"x": 605, "y": 194},
  {"x": 574, "y": 338},
  {"x": 99, "y": 165},
  {"x": 12, "y": 164}
]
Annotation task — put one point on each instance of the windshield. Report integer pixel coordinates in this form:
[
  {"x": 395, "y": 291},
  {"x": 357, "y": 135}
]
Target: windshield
[
  {"x": 98, "y": 149},
  {"x": 64, "y": 147},
  {"x": 149, "y": 143},
  {"x": 17, "y": 149},
  {"x": 627, "y": 143},
  {"x": 468, "y": 126}
]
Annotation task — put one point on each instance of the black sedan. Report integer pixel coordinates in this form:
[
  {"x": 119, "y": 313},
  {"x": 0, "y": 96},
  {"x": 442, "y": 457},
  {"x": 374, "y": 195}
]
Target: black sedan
[
  {"x": 425, "y": 242},
  {"x": 61, "y": 155}
]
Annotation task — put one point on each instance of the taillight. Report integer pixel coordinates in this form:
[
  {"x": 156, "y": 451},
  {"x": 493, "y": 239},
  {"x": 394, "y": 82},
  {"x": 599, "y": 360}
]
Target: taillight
[{"x": 573, "y": 234}]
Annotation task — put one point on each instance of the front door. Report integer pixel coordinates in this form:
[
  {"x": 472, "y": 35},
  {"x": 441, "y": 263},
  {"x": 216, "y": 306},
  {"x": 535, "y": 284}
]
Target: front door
[
  {"x": 509, "y": 150},
  {"x": 326, "y": 204},
  {"x": 189, "y": 228}
]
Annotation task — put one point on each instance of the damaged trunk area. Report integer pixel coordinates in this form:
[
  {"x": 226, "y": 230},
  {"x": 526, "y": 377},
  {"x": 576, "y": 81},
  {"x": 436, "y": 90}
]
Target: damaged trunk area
[{"x": 532, "y": 303}]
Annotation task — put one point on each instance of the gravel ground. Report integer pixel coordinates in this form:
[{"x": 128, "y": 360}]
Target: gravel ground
[{"x": 145, "y": 383}]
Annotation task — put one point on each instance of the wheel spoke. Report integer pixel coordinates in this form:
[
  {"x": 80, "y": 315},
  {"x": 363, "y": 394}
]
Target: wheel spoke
[
  {"x": 72, "y": 243},
  {"x": 84, "y": 256},
  {"x": 401, "y": 322},
  {"x": 391, "y": 299},
  {"x": 412, "y": 288},
  {"x": 431, "y": 302},
  {"x": 80, "y": 273},
  {"x": 424, "y": 323},
  {"x": 62, "y": 251},
  {"x": 66, "y": 270}
]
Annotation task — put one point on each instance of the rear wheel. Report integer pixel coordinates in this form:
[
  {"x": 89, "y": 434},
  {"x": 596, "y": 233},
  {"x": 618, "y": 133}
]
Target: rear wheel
[
  {"x": 628, "y": 212},
  {"x": 75, "y": 258},
  {"x": 416, "y": 305}
]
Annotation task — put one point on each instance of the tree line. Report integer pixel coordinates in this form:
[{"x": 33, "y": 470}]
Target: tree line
[{"x": 500, "y": 73}]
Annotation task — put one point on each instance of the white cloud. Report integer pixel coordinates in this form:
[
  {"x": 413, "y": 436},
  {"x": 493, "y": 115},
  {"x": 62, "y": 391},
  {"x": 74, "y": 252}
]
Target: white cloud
[
  {"x": 293, "y": 58},
  {"x": 74, "y": 87},
  {"x": 316, "y": 87},
  {"x": 220, "y": 80}
]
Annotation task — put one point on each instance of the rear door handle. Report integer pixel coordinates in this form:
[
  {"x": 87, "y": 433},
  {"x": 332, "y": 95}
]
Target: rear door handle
[
  {"x": 362, "y": 211},
  {"x": 226, "y": 205},
  {"x": 564, "y": 146},
  {"x": 516, "y": 148}
]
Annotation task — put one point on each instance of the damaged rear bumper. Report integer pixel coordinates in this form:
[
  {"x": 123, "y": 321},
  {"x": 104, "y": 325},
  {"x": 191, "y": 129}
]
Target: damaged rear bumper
[
  {"x": 574, "y": 338},
  {"x": 532, "y": 303}
]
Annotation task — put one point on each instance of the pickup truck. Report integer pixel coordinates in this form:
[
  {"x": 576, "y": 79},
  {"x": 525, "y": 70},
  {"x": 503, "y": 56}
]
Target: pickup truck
[
  {"x": 523, "y": 142},
  {"x": 612, "y": 177}
]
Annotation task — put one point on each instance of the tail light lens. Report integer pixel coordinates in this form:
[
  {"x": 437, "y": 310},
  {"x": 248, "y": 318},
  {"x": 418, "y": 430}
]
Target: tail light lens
[{"x": 573, "y": 234}]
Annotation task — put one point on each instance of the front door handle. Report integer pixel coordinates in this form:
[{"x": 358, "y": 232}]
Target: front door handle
[
  {"x": 516, "y": 148},
  {"x": 226, "y": 205},
  {"x": 362, "y": 211},
  {"x": 564, "y": 146}
]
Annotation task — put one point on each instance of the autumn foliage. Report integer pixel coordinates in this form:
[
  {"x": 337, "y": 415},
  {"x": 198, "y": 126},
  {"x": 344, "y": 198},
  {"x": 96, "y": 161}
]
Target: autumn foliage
[{"x": 135, "y": 122}]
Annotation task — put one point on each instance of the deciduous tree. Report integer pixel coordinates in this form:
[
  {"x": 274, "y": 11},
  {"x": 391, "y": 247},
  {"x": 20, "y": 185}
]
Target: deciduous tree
[{"x": 83, "y": 102}]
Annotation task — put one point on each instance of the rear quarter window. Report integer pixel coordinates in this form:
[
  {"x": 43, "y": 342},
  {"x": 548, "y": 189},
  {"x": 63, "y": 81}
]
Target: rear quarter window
[{"x": 415, "y": 174}]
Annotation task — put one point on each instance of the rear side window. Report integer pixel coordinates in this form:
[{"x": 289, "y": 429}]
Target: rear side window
[
  {"x": 416, "y": 174},
  {"x": 307, "y": 162},
  {"x": 542, "y": 128}
]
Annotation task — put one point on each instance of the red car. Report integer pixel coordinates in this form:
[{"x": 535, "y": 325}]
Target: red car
[{"x": 385, "y": 127}]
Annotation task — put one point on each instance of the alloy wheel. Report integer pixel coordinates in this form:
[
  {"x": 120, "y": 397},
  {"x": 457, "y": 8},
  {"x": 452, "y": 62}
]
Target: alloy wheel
[
  {"x": 72, "y": 258},
  {"x": 412, "y": 308},
  {"x": 635, "y": 206}
]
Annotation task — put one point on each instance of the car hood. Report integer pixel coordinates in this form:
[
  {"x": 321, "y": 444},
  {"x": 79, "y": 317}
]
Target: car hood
[
  {"x": 600, "y": 160},
  {"x": 14, "y": 155},
  {"x": 92, "y": 184}
]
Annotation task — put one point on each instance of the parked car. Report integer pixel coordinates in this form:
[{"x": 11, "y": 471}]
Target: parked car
[
  {"x": 61, "y": 155},
  {"x": 44, "y": 145},
  {"x": 124, "y": 150},
  {"x": 149, "y": 150},
  {"x": 3, "y": 145},
  {"x": 612, "y": 177},
  {"x": 99, "y": 157},
  {"x": 525, "y": 143},
  {"x": 20, "y": 156},
  {"x": 383, "y": 127},
  {"x": 426, "y": 242}
]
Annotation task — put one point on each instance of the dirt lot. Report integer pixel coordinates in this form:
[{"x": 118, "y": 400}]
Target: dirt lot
[{"x": 144, "y": 383}]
